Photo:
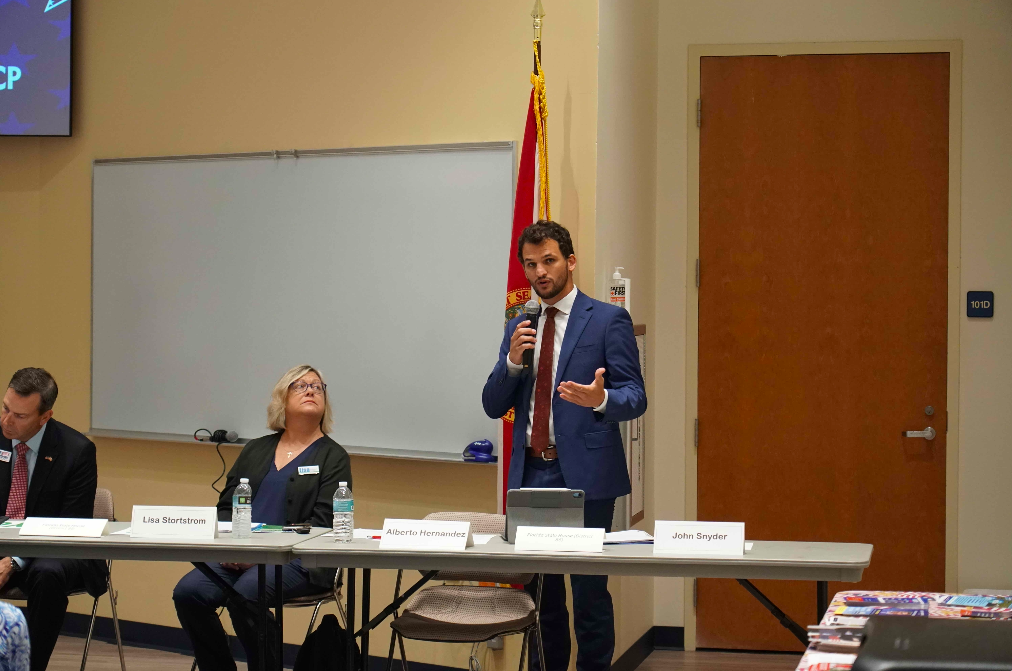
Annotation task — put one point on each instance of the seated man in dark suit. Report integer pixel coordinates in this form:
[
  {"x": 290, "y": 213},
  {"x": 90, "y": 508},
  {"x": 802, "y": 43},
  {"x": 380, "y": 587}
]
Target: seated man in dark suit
[{"x": 47, "y": 469}]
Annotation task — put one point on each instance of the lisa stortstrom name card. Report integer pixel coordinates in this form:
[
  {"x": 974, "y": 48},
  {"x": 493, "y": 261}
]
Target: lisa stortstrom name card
[{"x": 182, "y": 522}]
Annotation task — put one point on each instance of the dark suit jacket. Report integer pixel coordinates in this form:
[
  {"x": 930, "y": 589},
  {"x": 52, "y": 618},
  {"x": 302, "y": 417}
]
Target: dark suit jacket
[
  {"x": 591, "y": 455},
  {"x": 309, "y": 498},
  {"x": 63, "y": 484}
]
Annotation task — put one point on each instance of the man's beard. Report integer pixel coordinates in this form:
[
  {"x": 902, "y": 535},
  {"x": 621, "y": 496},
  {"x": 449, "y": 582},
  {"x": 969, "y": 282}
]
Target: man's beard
[{"x": 556, "y": 288}]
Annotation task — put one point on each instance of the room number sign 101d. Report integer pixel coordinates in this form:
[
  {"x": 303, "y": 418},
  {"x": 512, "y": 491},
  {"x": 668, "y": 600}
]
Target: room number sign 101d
[{"x": 980, "y": 304}]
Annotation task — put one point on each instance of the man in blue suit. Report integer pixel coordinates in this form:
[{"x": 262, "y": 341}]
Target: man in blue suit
[{"x": 585, "y": 380}]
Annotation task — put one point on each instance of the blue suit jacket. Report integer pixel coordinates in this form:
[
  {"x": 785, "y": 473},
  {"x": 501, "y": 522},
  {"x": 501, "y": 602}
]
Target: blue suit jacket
[{"x": 591, "y": 455}]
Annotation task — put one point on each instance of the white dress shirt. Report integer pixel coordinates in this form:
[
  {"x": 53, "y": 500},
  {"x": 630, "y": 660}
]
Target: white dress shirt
[
  {"x": 31, "y": 455},
  {"x": 565, "y": 308}
]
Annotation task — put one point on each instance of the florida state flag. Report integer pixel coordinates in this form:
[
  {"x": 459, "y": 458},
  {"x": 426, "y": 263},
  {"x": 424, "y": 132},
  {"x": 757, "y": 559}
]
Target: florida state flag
[{"x": 531, "y": 203}]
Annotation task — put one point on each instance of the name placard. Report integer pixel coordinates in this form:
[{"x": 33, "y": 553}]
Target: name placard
[
  {"x": 427, "y": 534},
  {"x": 699, "y": 538},
  {"x": 559, "y": 539},
  {"x": 183, "y": 522},
  {"x": 72, "y": 527}
]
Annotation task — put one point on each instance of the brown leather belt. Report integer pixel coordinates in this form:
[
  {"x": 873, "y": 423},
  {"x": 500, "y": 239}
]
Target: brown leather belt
[{"x": 549, "y": 454}]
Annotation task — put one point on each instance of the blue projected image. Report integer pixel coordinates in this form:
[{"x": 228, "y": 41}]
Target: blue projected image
[{"x": 35, "y": 67}]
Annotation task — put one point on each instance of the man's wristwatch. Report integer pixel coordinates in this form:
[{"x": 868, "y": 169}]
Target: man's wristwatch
[{"x": 15, "y": 567}]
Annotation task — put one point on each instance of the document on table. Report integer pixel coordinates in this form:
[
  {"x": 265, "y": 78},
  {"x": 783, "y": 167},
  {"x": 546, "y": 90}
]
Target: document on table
[
  {"x": 224, "y": 527},
  {"x": 366, "y": 534},
  {"x": 627, "y": 537},
  {"x": 630, "y": 537},
  {"x": 376, "y": 534}
]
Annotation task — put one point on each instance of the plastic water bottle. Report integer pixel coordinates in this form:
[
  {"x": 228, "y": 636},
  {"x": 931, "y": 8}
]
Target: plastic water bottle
[
  {"x": 242, "y": 510},
  {"x": 344, "y": 513}
]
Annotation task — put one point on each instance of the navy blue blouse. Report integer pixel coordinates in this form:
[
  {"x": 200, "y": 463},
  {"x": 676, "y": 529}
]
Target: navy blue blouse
[{"x": 269, "y": 502}]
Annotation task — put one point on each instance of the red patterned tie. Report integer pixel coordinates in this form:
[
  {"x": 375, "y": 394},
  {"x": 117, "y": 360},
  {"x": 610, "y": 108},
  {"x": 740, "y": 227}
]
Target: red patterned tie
[
  {"x": 543, "y": 385},
  {"x": 19, "y": 485}
]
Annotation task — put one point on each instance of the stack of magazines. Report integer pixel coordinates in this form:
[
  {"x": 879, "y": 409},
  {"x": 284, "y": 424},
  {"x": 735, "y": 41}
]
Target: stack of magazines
[{"x": 833, "y": 643}]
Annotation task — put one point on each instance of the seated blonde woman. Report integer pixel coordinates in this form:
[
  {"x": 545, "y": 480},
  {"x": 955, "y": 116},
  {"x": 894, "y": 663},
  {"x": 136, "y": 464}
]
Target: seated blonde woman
[{"x": 300, "y": 414}]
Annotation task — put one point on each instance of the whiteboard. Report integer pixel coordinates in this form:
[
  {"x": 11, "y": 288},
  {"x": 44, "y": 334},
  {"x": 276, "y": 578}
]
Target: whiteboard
[{"x": 384, "y": 268}]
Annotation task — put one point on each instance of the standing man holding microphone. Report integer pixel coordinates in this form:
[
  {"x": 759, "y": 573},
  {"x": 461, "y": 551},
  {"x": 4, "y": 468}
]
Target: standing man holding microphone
[{"x": 584, "y": 380}]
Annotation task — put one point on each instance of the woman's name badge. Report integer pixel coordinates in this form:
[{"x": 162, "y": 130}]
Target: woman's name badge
[
  {"x": 5, "y": 456},
  {"x": 303, "y": 470}
]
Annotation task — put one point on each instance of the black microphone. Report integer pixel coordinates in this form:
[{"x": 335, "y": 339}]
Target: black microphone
[
  {"x": 532, "y": 309},
  {"x": 220, "y": 436}
]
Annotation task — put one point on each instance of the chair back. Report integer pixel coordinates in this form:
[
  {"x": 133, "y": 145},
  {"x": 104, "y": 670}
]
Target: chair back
[
  {"x": 104, "y": 509},
  {"x": 481, "y": 523}
]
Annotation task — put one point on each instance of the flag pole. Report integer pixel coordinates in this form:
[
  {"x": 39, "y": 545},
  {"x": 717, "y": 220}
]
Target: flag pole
[
  {"x": 538, "y": 13},
  {"x": 544, "y": 210},
  {"x": 525, "y": 210}
]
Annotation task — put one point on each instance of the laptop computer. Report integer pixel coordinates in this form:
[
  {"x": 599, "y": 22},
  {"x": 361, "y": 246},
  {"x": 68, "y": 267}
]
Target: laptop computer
[
  {"x": 909, "y": 643},
  {"x": 543, "y": 508}
]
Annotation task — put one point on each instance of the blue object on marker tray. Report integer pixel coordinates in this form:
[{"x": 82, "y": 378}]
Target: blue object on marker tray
[{"x": 480, "y": 451}]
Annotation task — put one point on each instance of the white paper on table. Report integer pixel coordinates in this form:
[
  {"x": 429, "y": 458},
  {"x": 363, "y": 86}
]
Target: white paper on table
[
  {"x": 481, "y": 539},
  {"x": 630, "y": 536},
  {"x": 748, "y": 547},
  {"x": 224, "y": 527},
  {"x": 362, "y": 534}
]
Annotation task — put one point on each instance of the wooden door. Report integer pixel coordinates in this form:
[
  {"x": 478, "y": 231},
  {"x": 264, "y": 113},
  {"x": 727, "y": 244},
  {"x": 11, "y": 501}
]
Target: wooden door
[{"x": 823, "y": 201}]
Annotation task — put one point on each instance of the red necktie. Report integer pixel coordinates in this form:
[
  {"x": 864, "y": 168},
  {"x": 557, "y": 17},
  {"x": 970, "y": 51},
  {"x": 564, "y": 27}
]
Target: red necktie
[
  {"x": 19, "y": 485},
  {"x": 543, "y": 385}
]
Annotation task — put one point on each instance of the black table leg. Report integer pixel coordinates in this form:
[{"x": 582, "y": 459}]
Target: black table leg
[
  {"x": 799, "y": 632},
  {"x": 349, "y": 649},
  {"x": 279, "y": 615},
  {"x": 821, "y": 599},
  {"x": 262, "y": 615},
  {"x": 366, "y": 585},
  {"x": 537, "y": 625}
]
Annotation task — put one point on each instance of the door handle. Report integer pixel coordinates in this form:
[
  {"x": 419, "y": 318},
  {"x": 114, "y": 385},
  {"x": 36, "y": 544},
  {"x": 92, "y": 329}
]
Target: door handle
[{"x": 927, "y": 434}]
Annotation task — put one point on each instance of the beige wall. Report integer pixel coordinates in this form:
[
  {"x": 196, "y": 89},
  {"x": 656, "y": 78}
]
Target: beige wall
[
  {"x": 626, "y": 157},
  {"x": 985, "y": 380},
  {"x": 202, "y": 77}
]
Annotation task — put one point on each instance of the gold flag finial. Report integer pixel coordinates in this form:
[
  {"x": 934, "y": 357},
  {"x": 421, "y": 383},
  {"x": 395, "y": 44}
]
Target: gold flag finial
[{"x": 537, "y": 14}]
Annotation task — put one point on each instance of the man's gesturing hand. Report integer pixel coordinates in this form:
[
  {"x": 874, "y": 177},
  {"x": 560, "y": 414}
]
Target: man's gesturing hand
[
  {"x": 6, "y": 570},
  {"x": 523, "y": 339},
  {"x": 588, "y": 395}
]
